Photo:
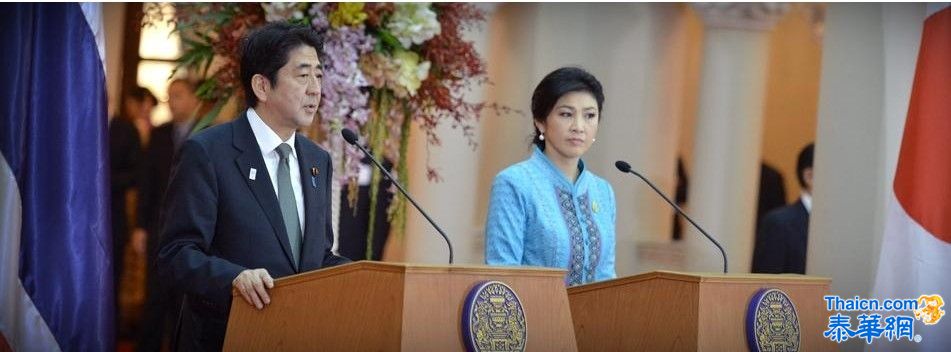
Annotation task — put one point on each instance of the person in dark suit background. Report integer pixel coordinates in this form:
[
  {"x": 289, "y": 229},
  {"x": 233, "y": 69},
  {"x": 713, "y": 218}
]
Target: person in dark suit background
[
  {"x": 680, "y": 197},
  {"x": 160, "y": 302},
  {"x": 772, "y": 192},
  {"x": 249, "y": 200},
  {"x": 783, "y": 235},
  {"x": 125, "y": 152}
]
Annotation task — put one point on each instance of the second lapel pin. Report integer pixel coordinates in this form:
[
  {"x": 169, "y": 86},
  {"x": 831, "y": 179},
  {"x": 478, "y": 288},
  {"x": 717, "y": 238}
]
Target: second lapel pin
[{"x": 314, "y": 171}]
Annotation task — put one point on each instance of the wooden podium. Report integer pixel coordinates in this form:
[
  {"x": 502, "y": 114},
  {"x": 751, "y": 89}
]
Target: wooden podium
[
  {"x": 373, "y": 306},
  {"x": 671, "y": 311}
]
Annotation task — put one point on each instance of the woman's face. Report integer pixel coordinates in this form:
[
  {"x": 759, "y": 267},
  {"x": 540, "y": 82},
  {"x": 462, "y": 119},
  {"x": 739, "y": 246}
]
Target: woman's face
[{"x": 571, "y": 126}]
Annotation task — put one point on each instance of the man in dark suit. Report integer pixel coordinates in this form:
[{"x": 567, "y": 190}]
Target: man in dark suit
[
  {"x": 125, "y": 153},
  {"x": 161, "y": 304},
  {"x": 249, "y": 200},
  {"x": 783, "y": 235}
]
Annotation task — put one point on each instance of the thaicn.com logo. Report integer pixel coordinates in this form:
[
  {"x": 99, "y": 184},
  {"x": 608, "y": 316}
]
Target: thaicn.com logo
[{"x": 897, "y": 322}]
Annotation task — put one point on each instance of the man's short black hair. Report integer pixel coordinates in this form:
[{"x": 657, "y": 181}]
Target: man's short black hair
[
  {"x": 265, "y": 51},
  {"x": 804, "y": 162},
  {"x": 139, "y": 93}
]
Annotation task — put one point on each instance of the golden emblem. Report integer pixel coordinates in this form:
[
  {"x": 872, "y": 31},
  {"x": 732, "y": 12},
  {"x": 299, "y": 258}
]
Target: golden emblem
[
  {"x": 493, "y": 319},
  {"x": 772, "y": 322}
]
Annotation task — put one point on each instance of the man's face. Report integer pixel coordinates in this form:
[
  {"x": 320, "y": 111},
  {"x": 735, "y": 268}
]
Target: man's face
[
  {"x": 807, "y": 177},
  {"x": 139, "y": 109},
  {"x": 295, "y": 96},
  {"x": 181, "y": 101}
]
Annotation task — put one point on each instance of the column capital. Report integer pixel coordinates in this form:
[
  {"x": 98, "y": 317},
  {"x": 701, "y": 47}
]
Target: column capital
[
  {"x": 747, "y": 16},
  {"x": 815, "y": 13}
]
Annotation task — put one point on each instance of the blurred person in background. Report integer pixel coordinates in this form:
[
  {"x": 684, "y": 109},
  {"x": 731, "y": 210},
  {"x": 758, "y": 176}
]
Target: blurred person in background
[
  {"x": 783, "y": 234},
  {"x": 161, "y": 303},
  {"x": 125, "y": 154}
]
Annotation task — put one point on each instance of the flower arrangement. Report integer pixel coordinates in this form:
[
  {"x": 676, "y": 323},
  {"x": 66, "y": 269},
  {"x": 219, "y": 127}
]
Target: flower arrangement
[{"x": 385, "y": 66}]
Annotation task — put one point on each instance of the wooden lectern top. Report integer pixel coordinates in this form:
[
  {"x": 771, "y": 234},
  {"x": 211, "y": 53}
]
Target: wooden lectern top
[
  {"x": 789, "y": 279},
  {"x": 374, "y": 306},
  {"x": 394, "y": 267}
]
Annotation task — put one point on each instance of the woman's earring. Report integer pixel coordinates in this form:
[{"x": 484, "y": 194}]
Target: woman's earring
[
  {"x": 594, "y": 139},
  {"x": 541, "y": 136}
]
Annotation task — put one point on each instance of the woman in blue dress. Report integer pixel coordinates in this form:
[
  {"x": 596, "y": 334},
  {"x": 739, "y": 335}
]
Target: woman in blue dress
[{"x": 549, "y": 210}]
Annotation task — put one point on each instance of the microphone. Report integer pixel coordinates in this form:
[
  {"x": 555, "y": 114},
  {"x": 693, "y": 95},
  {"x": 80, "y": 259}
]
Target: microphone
[
  {"x": 626, "y": 168},
  {"x": 351, "y": 138}
]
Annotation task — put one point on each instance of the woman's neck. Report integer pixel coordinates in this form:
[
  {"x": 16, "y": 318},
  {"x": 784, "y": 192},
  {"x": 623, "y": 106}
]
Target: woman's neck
[{"x": 567, "y": 166}]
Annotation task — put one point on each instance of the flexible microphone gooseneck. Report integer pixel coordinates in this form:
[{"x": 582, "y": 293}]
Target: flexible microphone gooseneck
[
  {"x": 626, "y": 168},
  {"x": 351, "y": 138}
]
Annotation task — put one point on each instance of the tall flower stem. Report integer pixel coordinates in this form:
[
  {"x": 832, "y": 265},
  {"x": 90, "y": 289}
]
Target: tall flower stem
[
  {"x": 398, "y": 207},
  {"x": 380, "y": 101}
]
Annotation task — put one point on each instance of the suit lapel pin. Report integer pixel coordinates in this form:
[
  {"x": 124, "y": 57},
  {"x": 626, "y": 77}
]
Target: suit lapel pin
[
  {"x": 253, "y": 174},
  {"x": 314, "y": 171}
]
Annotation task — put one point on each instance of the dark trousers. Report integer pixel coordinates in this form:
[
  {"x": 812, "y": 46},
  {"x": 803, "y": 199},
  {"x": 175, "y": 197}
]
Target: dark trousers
[
  {"x": 162, "y": 307},
  {"x": 120, "y": 236}
]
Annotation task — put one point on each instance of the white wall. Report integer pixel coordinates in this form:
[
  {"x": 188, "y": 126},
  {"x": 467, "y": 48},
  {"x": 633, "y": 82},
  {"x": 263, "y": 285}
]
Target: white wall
[
  {"x": 868, "y": 65},
  {"x": 113, "y": 15}
]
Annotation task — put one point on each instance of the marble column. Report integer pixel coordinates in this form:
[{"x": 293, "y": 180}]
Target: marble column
[{"x": 725, "y": 174}]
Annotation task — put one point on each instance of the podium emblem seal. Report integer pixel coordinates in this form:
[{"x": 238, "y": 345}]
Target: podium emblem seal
[
  {"x": 493, "y": 319},
  {"x": 772, "y": 323}
]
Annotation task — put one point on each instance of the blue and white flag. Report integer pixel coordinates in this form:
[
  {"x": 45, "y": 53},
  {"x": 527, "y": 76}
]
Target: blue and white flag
[{"x": 55, "y": 243}]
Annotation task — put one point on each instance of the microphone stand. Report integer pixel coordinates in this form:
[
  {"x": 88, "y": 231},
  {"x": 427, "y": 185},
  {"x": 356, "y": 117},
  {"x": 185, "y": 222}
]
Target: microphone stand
[
  {"x": 626, "y": 168},
  {"x": 352, "y": 140}
]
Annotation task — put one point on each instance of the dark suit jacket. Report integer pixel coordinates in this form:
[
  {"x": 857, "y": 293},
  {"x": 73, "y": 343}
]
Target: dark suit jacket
[
  {"x": 219, "y": 222},
  {"x": 156, "y": 167},
  {"x": 125, "y": 152},
  {"x": 782, "y": 240},
  {"x": 772, "y": 191}
]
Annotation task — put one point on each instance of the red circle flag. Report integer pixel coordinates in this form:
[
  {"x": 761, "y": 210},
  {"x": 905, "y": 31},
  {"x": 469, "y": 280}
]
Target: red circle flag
[{"x": 923, "y": 177}]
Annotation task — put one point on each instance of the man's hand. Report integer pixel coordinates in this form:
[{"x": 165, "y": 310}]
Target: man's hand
[{"x": 253, "y": 285}]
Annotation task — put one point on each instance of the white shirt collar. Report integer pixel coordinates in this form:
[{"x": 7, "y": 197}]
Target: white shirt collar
[
  {"x": 267, "y": 139},
  {"x": 806, "y": 201}
]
